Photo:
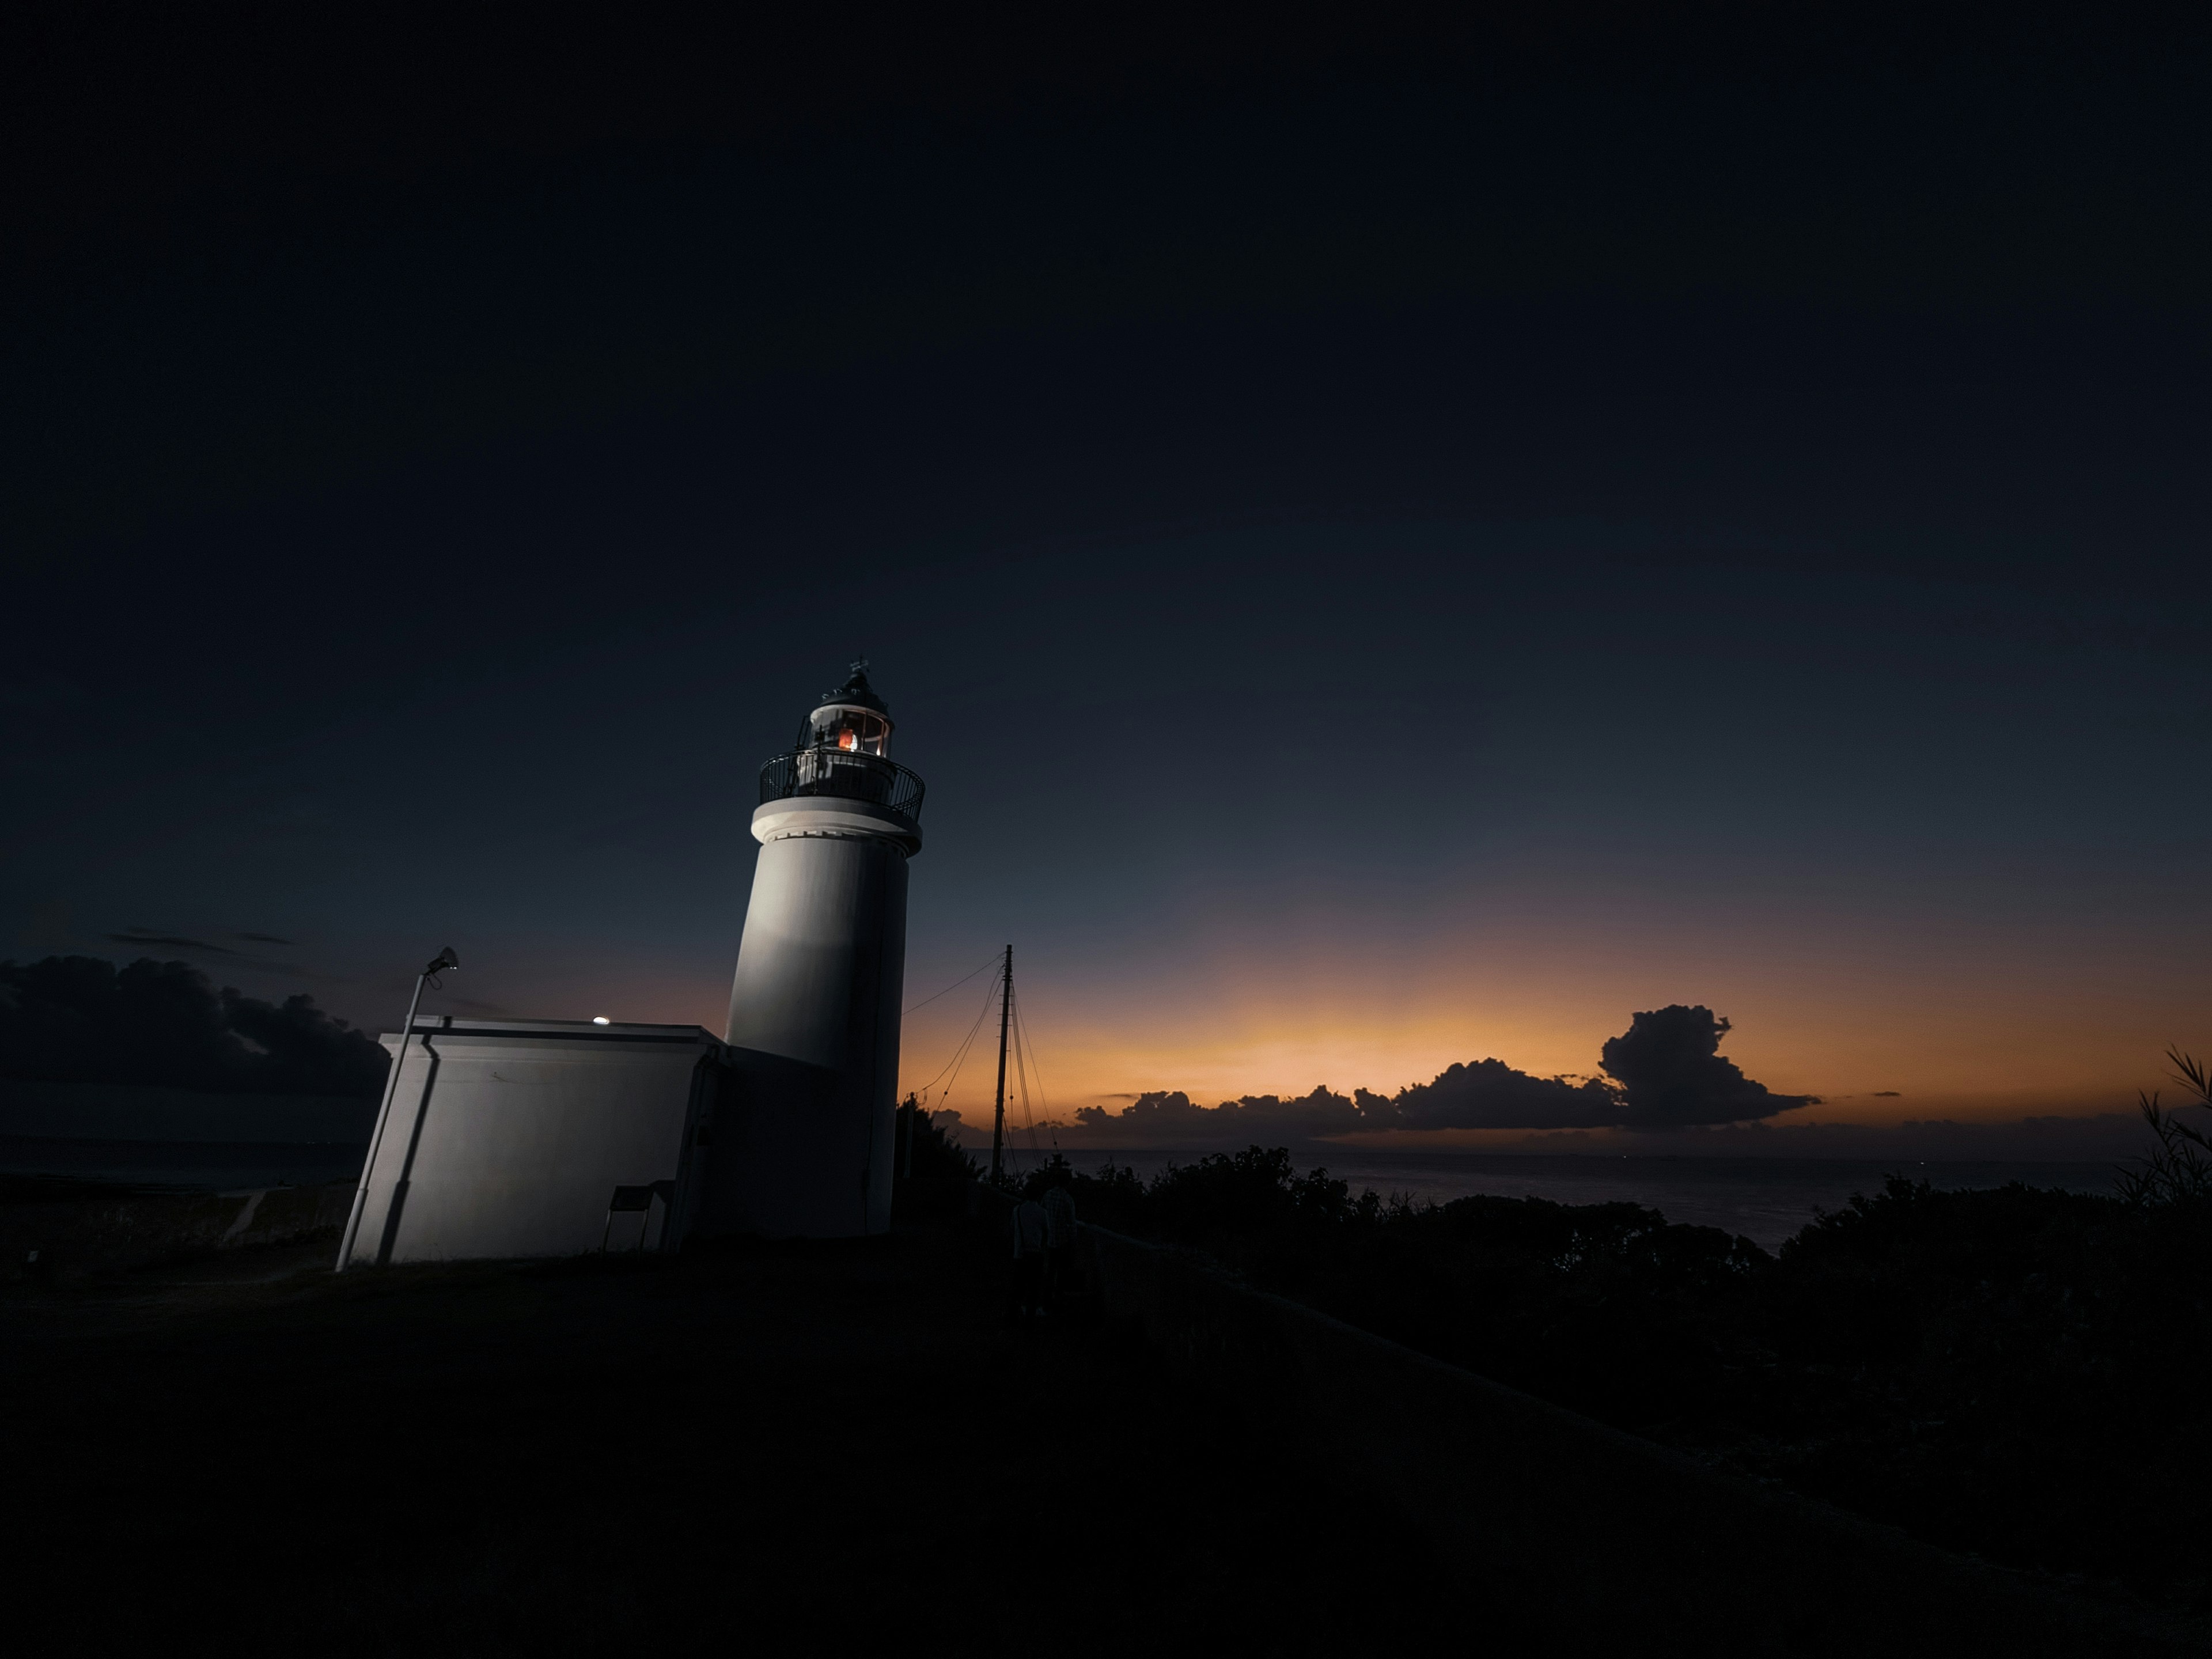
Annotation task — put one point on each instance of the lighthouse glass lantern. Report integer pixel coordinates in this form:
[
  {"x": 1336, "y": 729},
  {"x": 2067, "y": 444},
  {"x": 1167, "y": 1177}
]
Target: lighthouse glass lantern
[
  {"x": 844, "y": 745},
  {"x": 849, "y": 730}
]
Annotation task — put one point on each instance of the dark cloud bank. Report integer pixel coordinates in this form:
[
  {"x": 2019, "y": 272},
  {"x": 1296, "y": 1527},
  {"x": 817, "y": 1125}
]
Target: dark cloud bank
[
  {"x": 78, "y": 1019},
  {"x": 1665, "y": 1072}
]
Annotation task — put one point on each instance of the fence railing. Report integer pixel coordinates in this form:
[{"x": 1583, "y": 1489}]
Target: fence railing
[{"x": 845, "y": 776}]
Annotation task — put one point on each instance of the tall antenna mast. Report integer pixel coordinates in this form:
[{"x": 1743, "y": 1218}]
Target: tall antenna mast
[{"x": 998, "y": 1120}]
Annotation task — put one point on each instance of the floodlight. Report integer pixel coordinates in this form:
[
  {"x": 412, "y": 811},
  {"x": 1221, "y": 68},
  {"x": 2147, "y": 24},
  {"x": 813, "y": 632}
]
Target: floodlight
[
  {"x": 601, "y": 1020},
  {"x": 444, "y": 962}
]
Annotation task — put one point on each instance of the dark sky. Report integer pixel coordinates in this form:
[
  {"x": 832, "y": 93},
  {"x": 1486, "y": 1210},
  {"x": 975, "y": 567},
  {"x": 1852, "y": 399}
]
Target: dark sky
[{"x": 1393, "y": 540}]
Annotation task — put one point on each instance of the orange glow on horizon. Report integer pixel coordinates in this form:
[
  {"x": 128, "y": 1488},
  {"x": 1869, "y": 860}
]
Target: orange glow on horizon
[
  {"x": 1878, "y": 1047},
  {"x": 1882, "y": 1037}
]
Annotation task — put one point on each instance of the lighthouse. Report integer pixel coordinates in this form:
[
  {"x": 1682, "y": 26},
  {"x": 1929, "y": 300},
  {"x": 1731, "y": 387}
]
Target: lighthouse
[{"x": 803, "y": 1147}]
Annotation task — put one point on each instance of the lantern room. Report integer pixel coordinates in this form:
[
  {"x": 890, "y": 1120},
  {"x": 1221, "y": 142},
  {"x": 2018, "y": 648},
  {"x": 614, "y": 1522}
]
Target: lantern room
[{"x": 853, "y": 718}]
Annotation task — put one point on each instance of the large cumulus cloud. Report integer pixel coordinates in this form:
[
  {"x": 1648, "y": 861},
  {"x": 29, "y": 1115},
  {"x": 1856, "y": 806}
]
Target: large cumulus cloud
[
  {"x": 1671, "y": 1074},
  {"x": 79, "y": 1019},
  {"x": 1664, "y": 1072}
]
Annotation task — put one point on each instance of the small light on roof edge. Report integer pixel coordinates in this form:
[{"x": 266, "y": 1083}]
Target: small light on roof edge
[{"x": 601, "y": 1020}]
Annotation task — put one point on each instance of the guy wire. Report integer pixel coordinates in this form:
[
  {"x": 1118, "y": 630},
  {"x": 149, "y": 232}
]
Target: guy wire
[
  {"x": 961, "y": 1053},
  {"x": 951, "y": 988}
]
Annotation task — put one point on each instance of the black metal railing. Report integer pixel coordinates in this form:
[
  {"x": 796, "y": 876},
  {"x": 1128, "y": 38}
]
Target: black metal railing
[{"x": 845, "y": 776}]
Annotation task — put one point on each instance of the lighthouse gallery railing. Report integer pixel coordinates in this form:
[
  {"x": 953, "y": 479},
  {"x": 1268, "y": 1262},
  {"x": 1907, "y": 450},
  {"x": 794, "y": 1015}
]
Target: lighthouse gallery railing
[{"x": 845, "y": 776}]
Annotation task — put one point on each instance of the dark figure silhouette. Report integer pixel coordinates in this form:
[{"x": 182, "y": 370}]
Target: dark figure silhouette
[
  {"x": 1027, "y": 1228},
  {"x": 1060, "y": 1242}
]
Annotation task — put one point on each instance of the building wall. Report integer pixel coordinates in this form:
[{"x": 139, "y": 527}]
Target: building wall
[
  {"x": 805, "y": 1149},
  {"x": 512, "y": 1145}
]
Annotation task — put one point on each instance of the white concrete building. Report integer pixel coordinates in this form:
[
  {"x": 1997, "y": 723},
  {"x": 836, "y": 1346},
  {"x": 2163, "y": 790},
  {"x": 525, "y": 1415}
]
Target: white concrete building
[{"x": 538, "y": 1137}]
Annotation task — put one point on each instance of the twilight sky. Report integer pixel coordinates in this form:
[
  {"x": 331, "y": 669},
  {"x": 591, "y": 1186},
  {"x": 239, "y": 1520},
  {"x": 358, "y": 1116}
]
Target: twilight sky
[{"x": 1392, "y": 543}]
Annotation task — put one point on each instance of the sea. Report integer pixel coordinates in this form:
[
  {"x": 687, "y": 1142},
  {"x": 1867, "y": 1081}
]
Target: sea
[{"x": 1764, "y": 1200}]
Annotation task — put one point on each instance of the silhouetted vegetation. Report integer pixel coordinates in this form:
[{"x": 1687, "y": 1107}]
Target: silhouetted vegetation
[
  {"x": 2019, "y": 1372},
  {"x": 2176, "y": 1169},
  {"x": 936, "y": 1155},
  {"x": 79, "y": 1019},
  {"x": 933, "y": 1173}
]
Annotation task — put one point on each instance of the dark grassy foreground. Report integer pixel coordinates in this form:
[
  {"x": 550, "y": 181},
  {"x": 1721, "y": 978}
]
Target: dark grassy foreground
[
  {"x": 810, "y": 1448},
  {"x": 771, "y": 1448},
  {"x": 2020, "y": 1374}
]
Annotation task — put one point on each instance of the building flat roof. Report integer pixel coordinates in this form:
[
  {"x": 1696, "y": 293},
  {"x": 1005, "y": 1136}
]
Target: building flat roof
[{"x": 619, "y": 1030}]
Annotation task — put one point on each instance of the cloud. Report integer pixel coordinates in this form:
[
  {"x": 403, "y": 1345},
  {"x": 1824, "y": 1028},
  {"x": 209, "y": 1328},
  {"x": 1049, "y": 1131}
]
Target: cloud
[
  {"x": 1154, "y": 1103},
  {"x": 1323, "y": 1112},
  {"x": 1486, "y": 1095},
  {"x": 170, "y": 941},
  {"x": 78, "y": 1019},
  {"x": 1672, "y": 1075},
  {"x": 1887, "y": 1094},
  {"x": 1492, "y": 1095},
  {"x": 1149, "y": 1111},
  {"x": 1172, "y": 1117},
  {"x": 262, "y": 938},
  {"x": 1666, "y": 1074}
]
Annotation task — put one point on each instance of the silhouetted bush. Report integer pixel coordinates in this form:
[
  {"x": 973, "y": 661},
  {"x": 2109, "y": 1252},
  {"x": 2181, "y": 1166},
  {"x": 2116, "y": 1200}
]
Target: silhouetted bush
[
  {"x": 2176, "y": 1170},
  {"x": 1113, "y": 1198},
  {"x": 936, "y": 1154},
  {"x": 2021, "y": 1373}
]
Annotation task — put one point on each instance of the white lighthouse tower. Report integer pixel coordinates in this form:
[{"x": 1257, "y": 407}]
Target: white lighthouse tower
[{"x": 805, "y": 1149}]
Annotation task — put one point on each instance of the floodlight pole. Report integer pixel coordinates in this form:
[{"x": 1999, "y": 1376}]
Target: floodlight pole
[{"x": 446, "y": 962}]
